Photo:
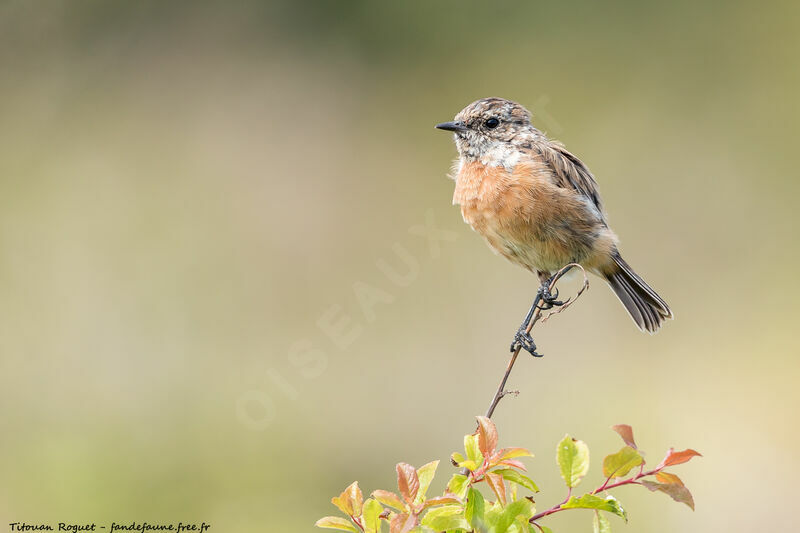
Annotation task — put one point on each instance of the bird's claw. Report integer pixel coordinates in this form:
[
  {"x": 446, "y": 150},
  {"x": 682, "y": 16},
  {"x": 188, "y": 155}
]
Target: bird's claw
[
  {"x": 523, "y": 340},
  {"x": 548, "y": 299}
]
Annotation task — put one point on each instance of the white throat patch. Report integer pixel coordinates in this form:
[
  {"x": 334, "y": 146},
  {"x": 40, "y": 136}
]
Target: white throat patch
[{"x": 490, "y": 152}]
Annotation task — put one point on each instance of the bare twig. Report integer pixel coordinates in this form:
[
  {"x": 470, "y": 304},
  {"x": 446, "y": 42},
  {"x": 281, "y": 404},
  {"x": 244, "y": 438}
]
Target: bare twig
[
  {"x": 535, "y": 317},
  {"x": 568, "y": 301}
]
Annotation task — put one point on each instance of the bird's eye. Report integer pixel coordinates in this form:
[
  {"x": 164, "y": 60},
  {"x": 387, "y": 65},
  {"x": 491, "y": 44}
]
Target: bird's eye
[{"x": 492, "y": 123}]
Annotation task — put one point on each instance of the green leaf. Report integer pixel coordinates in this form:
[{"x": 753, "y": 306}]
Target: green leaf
[
  {"x": 469, "y": 465},
  {"x": 572, "y": 457},
  {"x": 370, "y": 516},
  {"x": 425, "y": 475},
  {"x": 671, "y": 485},
  {"x": 491, "y": 515},
  {"x": 472, "y": 450},
  {"x": 515, "y": 477},
  {"x": 407, "y": 481},
  {"x": 458, "y": 485},
  {"x": 590, "y": 501},
  {"x": 620, "y": 463},
  {"x": 334, "y": 522},
  {"x": 475, "y": 508},
  {"x": 447, "y": 517},
  {"x": 389, "y": 498},
  {"x": 512, "y": 492},
  {"x": 601, "y": 523},
  {"x": 545, "y": 529},
  {"x": 463, "y": 462},
  {"x": 487, "y": 436},
  {"x": 520, "y": 509}
]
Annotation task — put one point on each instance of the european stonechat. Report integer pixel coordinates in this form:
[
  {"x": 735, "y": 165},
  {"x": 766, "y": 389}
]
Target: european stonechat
[{"x": 537, "y": 205}]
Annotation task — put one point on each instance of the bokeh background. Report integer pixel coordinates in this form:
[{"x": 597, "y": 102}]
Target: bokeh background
[{"x": 188, "y": 190}]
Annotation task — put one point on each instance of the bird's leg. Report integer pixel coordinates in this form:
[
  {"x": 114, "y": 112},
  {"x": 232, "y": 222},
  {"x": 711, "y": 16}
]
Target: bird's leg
[
  {"x": 544, "y": 300},
  {"x": 523, "y": 339},
  {"x": 548, "y": 300}
]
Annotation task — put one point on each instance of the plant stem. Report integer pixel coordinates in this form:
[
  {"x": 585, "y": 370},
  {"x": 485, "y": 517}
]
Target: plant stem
[
  {"x": 535, "y": 316},
  {"x": 500, "y": 390},
  {"x": 605, "y": 486}
]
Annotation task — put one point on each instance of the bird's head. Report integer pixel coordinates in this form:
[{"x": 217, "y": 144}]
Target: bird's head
[{"x": 489, "y": 125}]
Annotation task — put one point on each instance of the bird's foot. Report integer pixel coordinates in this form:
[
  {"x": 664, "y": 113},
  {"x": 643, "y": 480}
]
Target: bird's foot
[
  {"x": 548, "y": 300},
  {"x": 523, "y": 340}
]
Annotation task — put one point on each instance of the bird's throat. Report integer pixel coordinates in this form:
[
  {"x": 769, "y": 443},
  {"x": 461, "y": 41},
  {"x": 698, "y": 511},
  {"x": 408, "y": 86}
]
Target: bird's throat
[{"x": 478, "y": 182}]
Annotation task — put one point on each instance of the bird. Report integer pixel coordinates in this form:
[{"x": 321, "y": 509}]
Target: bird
[{"x": 538, "y": 205}]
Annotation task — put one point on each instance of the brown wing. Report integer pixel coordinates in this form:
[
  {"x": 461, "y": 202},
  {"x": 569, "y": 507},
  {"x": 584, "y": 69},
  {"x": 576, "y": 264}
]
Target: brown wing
[{"x": 570, "y": 172}]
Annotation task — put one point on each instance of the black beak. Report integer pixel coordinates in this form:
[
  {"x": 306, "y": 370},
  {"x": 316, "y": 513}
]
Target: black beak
[{"x": 452, "y": 126}]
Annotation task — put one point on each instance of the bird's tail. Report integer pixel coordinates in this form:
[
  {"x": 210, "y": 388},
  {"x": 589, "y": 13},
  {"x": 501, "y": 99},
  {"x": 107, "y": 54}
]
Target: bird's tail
[{"x": 646, "y": 307}]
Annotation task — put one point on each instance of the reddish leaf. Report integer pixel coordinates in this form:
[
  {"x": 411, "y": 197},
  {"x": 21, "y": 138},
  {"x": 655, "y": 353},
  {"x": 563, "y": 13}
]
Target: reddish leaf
[
  {"x": 498, "y": 486},
  {"x": 487, "y": 436},
  {"x": 407, "y": 481},
  {"x": 672, "y": 486},
  {"x": 345, "y": 501},
  {"x": 441, "y": 500},
  {"x": 676, "y": 458},
  {"x": 626, "y": 432},
  {"x": 511, "y": 453},
  {"x": 389, "y": 498},
  {"x": 666, "y": 477},
  {"x": 402, "y": 523},
  {"x": 356, "y": 497},
  {"x": 513, "y": 463}
]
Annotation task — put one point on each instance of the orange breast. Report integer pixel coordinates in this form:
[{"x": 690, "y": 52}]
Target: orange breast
[{"x": 524, "y": 216}]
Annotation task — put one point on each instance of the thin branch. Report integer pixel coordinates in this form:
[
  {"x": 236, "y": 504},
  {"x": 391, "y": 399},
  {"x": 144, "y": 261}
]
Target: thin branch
[
  {"x": 535, "y": 317},
  {"x": 604, "y": 487}
]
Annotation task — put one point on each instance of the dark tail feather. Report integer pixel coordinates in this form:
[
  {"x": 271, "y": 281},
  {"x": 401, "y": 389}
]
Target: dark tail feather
[{"x": 646, "y": 307}]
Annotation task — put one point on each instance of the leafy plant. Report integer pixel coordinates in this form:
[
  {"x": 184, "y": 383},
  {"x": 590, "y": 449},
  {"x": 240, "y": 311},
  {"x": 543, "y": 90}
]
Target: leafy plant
[{"x": 464, "y": 508}]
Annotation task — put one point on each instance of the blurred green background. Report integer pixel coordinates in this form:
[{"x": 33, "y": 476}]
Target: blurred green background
[{"x": 188, "y": 189}]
